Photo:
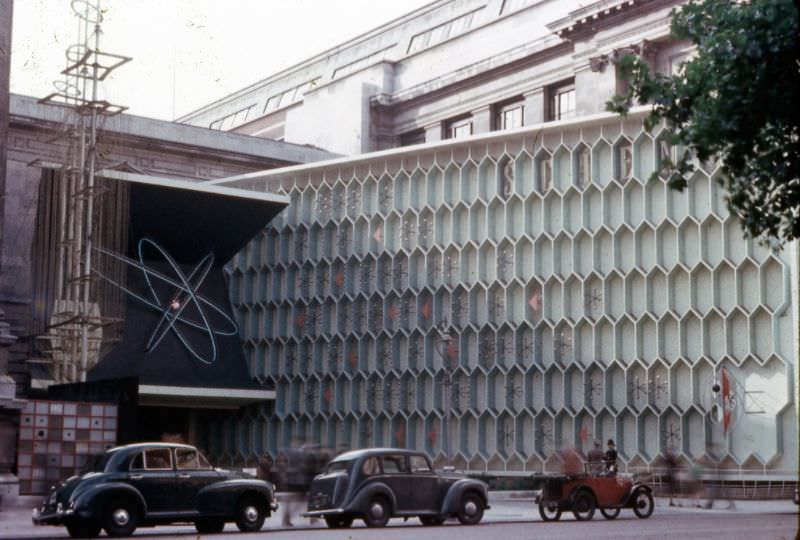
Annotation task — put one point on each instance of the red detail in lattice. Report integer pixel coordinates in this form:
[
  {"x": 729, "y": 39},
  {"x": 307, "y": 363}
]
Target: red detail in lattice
[
  {"x": 585, "y": 433},
  {"x": 425, "y": 310},
  {"x": 300, "y": 320},
  {"x": 392, "y": 313},
  {"x": 328, "y": 395},
  {"x": 432, "y": 436},
  {"x": 400, "y": 436},
  {"x": 536, "y": 302},
  {"x": 339, "y": 279},
  {"x": 353, "y": 358},
  {"x": 377, "y": 235},
  {"x": 452, "y": 351}
]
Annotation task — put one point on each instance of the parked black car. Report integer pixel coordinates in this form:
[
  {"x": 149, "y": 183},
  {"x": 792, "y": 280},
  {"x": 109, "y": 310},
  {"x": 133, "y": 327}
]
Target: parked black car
[
  {"x": 154, "y": 484},
  {"x": 381, "y": 483}
]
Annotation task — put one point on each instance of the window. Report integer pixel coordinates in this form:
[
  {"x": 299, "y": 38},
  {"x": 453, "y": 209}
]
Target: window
[
  {"x": 509, "y": 115},
  {"x": 361, "y": 63},
  {"x": 159, "y": 459},
  {"x": 444, "y": 31},
  {"x": 412, "y": 137},
  {"x": 370, "y": 466},
  {"x": 394, "y": 464},
  {"x": 561, "y": 100},
  {"x": 419, "y": 464},
  {"x": 188, "y": 458},
  {"x": 137, "y": 463},
  {"x": 458, "y": 128}
]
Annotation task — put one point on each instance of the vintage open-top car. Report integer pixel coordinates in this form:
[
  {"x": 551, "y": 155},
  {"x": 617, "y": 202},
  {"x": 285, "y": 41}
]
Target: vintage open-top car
[
  {"x": 377, "y": 484},
  {"x": 584, "y": 493},
  {"x": 151, "y": 484}
]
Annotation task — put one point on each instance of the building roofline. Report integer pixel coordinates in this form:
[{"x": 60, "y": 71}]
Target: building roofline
[{"x": 317, "y": 57}]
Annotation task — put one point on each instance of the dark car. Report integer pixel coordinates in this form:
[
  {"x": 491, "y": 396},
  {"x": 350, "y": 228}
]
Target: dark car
[
  {"x": 154, "y": 484},
  {"x": 584, "y": 493},
  {"x": 381, "y": 483}
]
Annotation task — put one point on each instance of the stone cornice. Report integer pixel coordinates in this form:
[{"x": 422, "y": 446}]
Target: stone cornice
[
  {"x": 588, "y": 20},
  {"x": 138, "y": 131}
]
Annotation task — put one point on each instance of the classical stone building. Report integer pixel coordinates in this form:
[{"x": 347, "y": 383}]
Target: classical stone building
[{"x": 497, "y": 279}]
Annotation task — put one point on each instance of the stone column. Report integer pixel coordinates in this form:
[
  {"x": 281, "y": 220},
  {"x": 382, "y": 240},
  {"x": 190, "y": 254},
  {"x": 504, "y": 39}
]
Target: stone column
[
  {"x": 9, "y": 405},
  {"x": 482, "y": 120},
  {"x": 433, "y": 132},
  {"x": 6, "y": 8},
  {"x": 534, "y": 107},
  {"x": 9, "y": 420}
]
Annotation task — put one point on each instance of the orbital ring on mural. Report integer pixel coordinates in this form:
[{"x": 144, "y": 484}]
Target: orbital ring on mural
[{"x": 183, "y": 295}]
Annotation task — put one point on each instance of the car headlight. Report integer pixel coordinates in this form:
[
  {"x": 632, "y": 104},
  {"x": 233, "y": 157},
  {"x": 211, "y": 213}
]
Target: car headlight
[{"x": 52, "y": 498}]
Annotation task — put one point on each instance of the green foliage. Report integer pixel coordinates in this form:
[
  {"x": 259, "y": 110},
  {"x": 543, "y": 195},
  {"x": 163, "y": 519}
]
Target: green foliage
[{"x": 736, "y": 100}]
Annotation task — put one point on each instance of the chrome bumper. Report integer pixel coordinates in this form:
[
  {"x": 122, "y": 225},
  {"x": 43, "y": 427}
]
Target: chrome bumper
[{"x": 321, "y": 513}]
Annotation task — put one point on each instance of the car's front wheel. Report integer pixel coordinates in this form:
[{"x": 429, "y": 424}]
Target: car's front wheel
[
  {"x": 378, "y": 512},
  {"x": 121, "y": 517},
  {"x": 209, "y": 525},
  {"x": 338, "y": 522},
  {"x": 470, "y": 509},
  {"x": 250, "y": 514},
  {"x": 583, "y": 506},
  {"x": 549, "y": 511},
  {"x": 83, "y": 528},
  {"x": 610, "y": 513},
  {"x": 643, "y": 503}
]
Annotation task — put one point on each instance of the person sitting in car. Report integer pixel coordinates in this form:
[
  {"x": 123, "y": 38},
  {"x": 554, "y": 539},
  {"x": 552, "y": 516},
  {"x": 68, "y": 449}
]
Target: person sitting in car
[{"x": 611, "y": 457}]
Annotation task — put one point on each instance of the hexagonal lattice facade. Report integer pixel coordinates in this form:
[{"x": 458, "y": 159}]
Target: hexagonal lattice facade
[{"x": 584, "y": 302}]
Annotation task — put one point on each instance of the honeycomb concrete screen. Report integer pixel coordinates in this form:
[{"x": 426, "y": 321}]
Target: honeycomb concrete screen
[{"x": 493, "y": 300}]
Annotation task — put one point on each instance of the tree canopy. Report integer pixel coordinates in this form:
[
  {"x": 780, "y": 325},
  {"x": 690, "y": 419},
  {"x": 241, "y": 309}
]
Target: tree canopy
[{"x": 735, "y": 100}]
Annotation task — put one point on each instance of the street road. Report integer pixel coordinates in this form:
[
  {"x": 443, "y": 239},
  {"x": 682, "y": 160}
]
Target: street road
[{"x": 516, "y": 520}]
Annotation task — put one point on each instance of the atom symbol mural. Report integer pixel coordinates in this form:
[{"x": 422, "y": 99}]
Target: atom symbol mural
[{"x": 181, "y": 294}]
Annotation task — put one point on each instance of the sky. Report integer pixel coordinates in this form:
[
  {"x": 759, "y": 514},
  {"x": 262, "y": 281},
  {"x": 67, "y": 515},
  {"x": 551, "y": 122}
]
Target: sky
[{"x": 187, "y": 53}]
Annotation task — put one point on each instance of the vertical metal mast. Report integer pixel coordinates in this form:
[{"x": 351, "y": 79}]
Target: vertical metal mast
[{"x": 75, "y": 317}]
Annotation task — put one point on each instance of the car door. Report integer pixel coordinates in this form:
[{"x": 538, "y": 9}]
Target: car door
[
  {"x": 193, "y": 474},
  {"x": 153, "y": 475},
  {"x": 395, "y": 475},
  {"x": 425, "y": 486}
]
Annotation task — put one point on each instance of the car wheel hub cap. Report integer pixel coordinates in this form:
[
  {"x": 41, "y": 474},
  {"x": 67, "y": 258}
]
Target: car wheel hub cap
[
  {"x": 471, "y": 508},
  {"x": 251, "y": 513},
  {"x": 377, "y": 511},
  {"x": 120, "y": 517}
]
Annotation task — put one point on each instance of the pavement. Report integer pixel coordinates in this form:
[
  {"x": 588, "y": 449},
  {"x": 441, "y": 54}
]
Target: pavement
[{"x": 506, "y": 506}]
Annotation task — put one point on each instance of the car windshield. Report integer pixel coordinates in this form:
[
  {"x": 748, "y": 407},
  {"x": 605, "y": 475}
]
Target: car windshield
[
  {"x": 95, "y": 463},
  {"x": 336, "y": 466}
]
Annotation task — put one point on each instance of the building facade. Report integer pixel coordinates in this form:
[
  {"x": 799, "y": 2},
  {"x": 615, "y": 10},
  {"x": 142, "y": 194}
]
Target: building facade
[{"x": 519, "y": 289}]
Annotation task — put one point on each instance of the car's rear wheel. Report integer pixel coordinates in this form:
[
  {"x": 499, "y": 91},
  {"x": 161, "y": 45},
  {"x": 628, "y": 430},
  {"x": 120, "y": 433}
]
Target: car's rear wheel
[
  {"x": 643, "y": 503},
  {"x": 338, "y": 522},
  {"x": 610, "y": 513},
  {"x": 549, "y": 511},
  {"x": 121, "y": 517},
  {"x": 378, "y": 512},
  {"x": 209, "y": 525},
  {"x": 583, "y": 505},
  {"x": 250, "y": 514},
  {"x": 470, "y": 509},
  {"x": 83, "y": 528},
  {"x": 430, "y": 521}
]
